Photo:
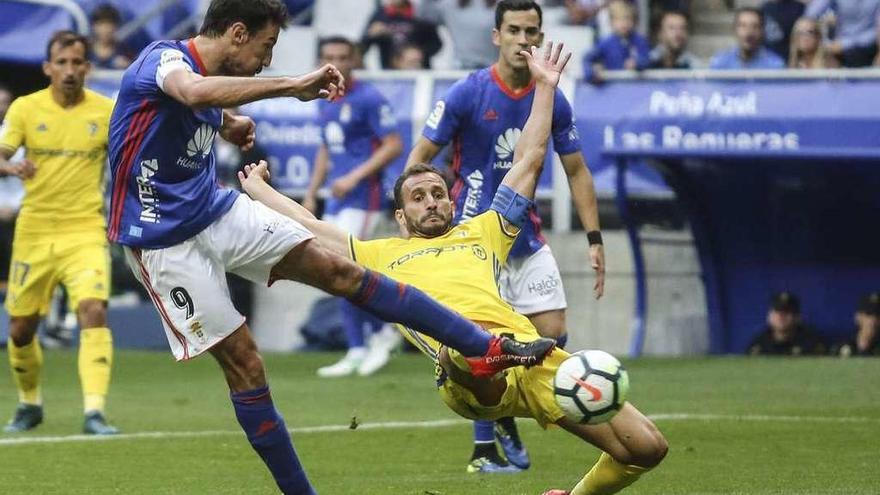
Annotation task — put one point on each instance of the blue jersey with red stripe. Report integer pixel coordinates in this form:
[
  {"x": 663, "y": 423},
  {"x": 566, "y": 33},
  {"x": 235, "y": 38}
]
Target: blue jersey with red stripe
[
  {"x": 164, "y": 186},
  {"x": 483, "y": 118},
  {"x": 352, "y": 129}
]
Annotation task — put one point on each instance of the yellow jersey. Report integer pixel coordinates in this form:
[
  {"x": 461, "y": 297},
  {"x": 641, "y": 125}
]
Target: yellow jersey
[
  {"x": 460, "y": 269},
  {"x": 68, "y": 147}
]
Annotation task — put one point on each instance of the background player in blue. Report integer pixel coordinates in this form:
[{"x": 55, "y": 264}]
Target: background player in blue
[
  {"x": 482, "y": 117},
  {"x": 360, "y": 139},
  {"x": 182, "y": 232}
]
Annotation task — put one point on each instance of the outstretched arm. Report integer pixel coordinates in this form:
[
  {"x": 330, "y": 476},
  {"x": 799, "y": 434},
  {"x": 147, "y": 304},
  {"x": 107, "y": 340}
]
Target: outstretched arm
[
  {"x": 197, "y": 91},
  {"x": 253, "y": 181},
  {"x": 531, "y": 149}
]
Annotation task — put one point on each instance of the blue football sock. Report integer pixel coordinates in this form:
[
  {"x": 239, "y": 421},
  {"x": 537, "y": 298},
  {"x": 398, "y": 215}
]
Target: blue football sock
[
  {"x": 352, "y": 323},
  {"x": 404, "y": 304},
  {"x": 561, "y": 341},
  {"x": 484, "y": 431},
  {"x": 267, "y": 433}
]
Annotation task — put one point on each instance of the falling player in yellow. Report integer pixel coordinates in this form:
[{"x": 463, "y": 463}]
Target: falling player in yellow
[
  {"x": 60, "y": 234},
  {"x": 459, "y": 266}
]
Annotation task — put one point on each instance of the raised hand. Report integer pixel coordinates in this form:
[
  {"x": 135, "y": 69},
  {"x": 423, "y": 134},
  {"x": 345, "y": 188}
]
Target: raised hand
[
  {"x": 547, "y": 67},
  {"x": 253, "y": 176},
  {"x": 326, "y": 82}
]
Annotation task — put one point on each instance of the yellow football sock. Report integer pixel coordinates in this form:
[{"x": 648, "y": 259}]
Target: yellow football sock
[
  {"x": 95, "y": 361},
  {"x": 26, "y": 362},
  {"x": 608, "y": 476}
]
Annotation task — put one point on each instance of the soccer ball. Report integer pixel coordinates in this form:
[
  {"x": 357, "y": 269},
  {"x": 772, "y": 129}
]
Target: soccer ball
[{"x": 590, "y": 386}]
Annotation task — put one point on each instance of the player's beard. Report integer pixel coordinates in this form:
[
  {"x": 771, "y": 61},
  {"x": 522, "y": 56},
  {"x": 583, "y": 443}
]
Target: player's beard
[{"x": 422, "y": 229}]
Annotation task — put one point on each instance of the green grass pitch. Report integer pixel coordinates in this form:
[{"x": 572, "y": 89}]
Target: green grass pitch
[{"x": 735, "y": 426}]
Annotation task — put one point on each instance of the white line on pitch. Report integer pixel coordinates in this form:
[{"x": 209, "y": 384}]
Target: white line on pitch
[{"x": 392, "y": 425}]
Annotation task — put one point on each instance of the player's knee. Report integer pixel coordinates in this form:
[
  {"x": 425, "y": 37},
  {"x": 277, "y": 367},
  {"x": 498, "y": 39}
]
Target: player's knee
[
  {"x": 92, "y": 313},
  {"x": 650, "y": 451},
  {"x": 22, "y": 329}
]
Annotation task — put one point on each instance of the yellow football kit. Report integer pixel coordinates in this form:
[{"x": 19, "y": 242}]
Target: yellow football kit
[
  {"x": 460, "y": 269},
  {"x": 60, "y": 232}
]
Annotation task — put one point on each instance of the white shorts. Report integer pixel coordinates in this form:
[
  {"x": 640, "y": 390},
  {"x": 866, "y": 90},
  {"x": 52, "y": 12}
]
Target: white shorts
[
  {"x": 359, "y": 223},
  {"x": 533, "y": 284},
  {"x": 187, "y": 281}
]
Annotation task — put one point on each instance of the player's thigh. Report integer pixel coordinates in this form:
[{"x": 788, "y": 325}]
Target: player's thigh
[
  {"x": 84, "y": 269},
  {"x": 629, "y": 437},
  {"x": 360, "y": 223},
  {"x": 533, "y": 285},
  {"x": 187, "y": 285},
  {"x": 32, "y": 277},
  {"x": 250, "y": 239}
]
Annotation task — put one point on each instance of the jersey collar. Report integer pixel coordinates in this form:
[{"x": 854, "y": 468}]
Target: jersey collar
[
  {"x": 516, "y": 95},
  {"x": 191, "y": 46}
]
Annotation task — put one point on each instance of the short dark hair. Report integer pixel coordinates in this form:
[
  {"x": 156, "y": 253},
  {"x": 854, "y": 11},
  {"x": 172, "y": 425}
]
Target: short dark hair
[
  {"x": 106, "y": 13},
  {"x": 419, "y": 168},
  {"x": 254, "y": 14},
  {"x": 749, "y": 10},
  {"x": 516, "y": 5},
  {"x": 679, "y": 13},
  {"x": 64, "y": 39},
  {"x": 335, "y": 40}
]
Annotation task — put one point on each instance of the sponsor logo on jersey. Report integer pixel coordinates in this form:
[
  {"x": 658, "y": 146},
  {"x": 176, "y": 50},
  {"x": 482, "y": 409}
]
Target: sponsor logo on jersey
[
  {"x": 334, "y": 135},
  {"x": 42, "y": 127},
  {"x": 386, "y": 117},
  {"x": 198, "y": 147},
  {"x": 436, "y": 115},
  {"x": 545, "y": 286},
  {"x": 345, "y": 113},
  {"x": 472, "y": 199},
  {"x": 504, "y": 147},
  {"x": 147, "y": 192},
  {"x": 477, "y": 250},
  {"x": 93, "y": 128},
  {"x": 573, "y": 134}
]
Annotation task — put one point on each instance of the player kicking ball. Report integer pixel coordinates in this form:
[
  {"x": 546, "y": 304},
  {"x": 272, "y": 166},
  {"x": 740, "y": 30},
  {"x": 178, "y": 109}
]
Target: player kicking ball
[
  {"x": 458, "y": 266},
  {"x": 182, "y": 232}
]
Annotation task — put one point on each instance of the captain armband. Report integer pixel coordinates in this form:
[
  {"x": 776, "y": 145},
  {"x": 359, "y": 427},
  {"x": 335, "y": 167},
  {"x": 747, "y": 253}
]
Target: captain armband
[{"x": 512, "y": 206}]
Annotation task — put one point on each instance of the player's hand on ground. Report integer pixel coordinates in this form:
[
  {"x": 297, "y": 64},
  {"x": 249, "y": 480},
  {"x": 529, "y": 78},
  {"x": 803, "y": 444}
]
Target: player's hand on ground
[
  {"x": 253, "y": 176},
  {"x": 239, "y": 130},
  {"x": 326, "y": 82},
  {"x": 24, "y": 169},
  {"x": 597, "y": 261},
  {"x": 547, "y": 67},
  {"x": 343, "y": 186}
]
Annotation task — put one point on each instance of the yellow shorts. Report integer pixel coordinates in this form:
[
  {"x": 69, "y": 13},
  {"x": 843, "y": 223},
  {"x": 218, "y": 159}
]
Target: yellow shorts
[
  {"x": 529, "y": 394},
  {"x": 81, "y": 262}
]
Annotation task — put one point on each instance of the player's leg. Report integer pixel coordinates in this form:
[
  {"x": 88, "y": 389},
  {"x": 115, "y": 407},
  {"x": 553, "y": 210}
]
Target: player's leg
[
  {"x": 31, "y": 281},
  {"x": 187, "y": 284},
  {"x": 256, "y": 413},
  {"x": 84, "y": 265},
  {"x": 631, "y": 445}
]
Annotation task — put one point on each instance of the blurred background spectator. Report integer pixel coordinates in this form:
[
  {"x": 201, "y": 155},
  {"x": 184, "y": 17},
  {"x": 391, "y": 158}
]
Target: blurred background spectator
[
  {"x": 785, "y": 333},
  {"x": 779, "y": 19},
  {"x": 107, "y": 51},
  {"x": 470, "y": 24},
  {"x": 624, "y": 49},
  {"x": 11, "y": 194},
  {"x": 408, "y": 57},
  {"x": 865, "y": 342},
  {"x": 851, "y": 26},
  {"x": 672, "y": 39},
  {"x": 807, "y": 48},
  {"x": 586, "y": 13},
  {"x": 394, "y": 25},
  {"x": 749, "y": 52}
]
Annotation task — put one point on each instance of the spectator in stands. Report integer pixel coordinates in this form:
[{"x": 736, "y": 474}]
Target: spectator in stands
[
  {"x": 785, "y": 333},
  {"x": 107, "y": 51},
  {"x": 11, "y": 194},
  {"x": 393, "y": 25},
  {"x": 625, "y": 49},
  {"x": 855, "y": 37},
  {"x": 779, "y": 19},
  {"x": 749, "y": 53},
  {"x": 408, "y": 57},
  {"x": 671, "y": 50},
  {"x": 866, "y": 341},
  {"x": 585, "y": 12},
  {"x": 807, "y": 49},
  {"x": 470, "y": 24}
]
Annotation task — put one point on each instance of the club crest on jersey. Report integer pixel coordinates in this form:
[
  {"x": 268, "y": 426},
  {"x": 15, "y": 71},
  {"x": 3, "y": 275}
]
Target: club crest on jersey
[
  {"x": 93, "y": 128},
  {"x": 198, "y": 147},
  {"x": 505, "y": 146}
]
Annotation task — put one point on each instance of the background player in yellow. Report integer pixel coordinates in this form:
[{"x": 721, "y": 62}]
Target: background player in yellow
[
  {"x": 60, "y": 235},
  {"x": 459, "y": 267}
]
